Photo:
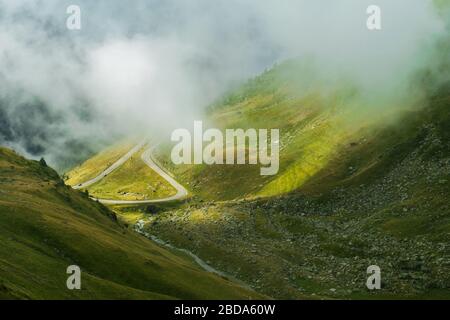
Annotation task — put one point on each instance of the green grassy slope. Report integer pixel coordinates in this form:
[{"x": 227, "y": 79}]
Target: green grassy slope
[
  {"x": 45, "y": 226},
  {"x": 98, "y": 163},
  {"x": 134, "y": 180},
  {"x": 382, "y": 200},
  {"x": 350, "y": 194},
  {"x": 316, "y": 119}
]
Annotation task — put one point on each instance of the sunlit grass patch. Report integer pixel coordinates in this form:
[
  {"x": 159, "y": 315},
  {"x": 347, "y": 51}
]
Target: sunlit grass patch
[
  {"x": 98, "y": 163},
  {"x": 134, "y": 180}
]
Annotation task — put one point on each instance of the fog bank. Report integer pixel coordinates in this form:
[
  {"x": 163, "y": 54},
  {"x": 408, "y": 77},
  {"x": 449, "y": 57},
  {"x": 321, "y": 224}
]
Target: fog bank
[{"x": 155, "y": 65}]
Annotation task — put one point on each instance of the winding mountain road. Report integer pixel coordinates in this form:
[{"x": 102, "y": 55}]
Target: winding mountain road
[{"x": 147, "y": 157}]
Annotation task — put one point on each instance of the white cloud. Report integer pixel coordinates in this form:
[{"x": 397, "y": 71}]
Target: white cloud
[{"x": 157, "y": 63}]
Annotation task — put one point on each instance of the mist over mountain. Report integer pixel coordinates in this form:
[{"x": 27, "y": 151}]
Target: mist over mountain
[
  {"x": 355, "y": 206},
  {"x": 158, "y": 64}
]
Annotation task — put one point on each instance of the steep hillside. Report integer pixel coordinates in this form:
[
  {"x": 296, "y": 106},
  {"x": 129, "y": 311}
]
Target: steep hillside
[
  {"x": 350, "y": 194},
  {"x": 381, "y": 201},
  {"x": 317, "y": 119},
  {"x": 45, "y": 226}
]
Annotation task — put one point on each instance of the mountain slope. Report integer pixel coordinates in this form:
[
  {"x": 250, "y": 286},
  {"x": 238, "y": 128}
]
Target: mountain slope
[
  {"x": 45, "y": 226},
  {"x": 370, "y": 192},
  {"x": 363, "y": 181}
]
